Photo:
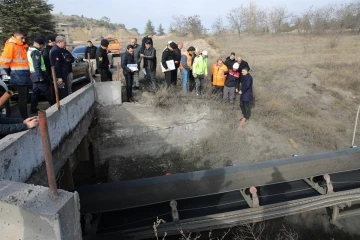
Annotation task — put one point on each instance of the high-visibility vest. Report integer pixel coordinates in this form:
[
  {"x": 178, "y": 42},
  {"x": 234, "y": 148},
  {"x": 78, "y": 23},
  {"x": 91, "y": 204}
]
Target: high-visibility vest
[
  {"x": 31, "y": 64},
  {"x": 188, "y": 60},
  {"x": 14, "y": 55}
]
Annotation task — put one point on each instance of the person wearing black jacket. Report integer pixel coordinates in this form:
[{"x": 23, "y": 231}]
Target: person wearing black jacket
[
  {"x": 242, "y": 64},
  {"x": 168, "y": 54},
  {"x": 70, "y": 60},
  {"x": 58, "y": 61},
  {"x": 149, "y": 57},
  {"x": 177, "y": 60},
  {"x": 90, "y": 50},
  {"x": 102, "y": 61},
  {"x": 147, "y": 38},
  {"x": 246, "y": 92},
  {"x": 50, "y": 42},
  {"x": 229, "y": 61},
  {"x": 128, "y": 58},
  {"x": 231, "y": 83}
]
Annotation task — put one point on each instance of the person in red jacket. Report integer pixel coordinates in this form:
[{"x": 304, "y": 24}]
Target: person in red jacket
[{"x": 232, "y": 80}]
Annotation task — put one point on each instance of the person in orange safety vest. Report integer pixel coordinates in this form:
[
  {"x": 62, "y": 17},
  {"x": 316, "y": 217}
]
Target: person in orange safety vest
[
  {"x": 219, "y": 72},
  {"x": 15, "y": 63}
]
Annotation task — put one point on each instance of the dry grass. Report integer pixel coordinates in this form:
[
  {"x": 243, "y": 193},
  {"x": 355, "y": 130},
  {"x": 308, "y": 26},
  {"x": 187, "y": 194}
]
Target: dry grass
[{"x": 304, "y": 88}]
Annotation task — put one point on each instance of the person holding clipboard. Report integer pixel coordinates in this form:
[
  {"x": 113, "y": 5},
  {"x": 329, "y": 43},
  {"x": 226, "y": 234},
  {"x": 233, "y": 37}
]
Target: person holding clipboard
[
  {"x": 129, "y": 68},
  {"x": 168, "y": 64}
]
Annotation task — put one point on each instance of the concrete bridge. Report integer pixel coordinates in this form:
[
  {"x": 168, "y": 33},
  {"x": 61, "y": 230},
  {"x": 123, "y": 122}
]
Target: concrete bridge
[{"x": 193, "y": 201}]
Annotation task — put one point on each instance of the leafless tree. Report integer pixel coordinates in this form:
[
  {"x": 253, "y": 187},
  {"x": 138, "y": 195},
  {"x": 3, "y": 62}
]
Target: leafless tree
[
  {"x": 251, "y": 231},
  {"x": 237, "y": 18},
  {"x": 256, "y": 19},
  {"x": 218, "y": 27},
  {"x": 277, "y": 18},
  {"x": 178, "y": 24}
]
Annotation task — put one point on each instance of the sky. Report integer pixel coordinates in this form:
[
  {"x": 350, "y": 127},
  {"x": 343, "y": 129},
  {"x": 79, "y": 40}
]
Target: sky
[{"x": 135, "y": 14}]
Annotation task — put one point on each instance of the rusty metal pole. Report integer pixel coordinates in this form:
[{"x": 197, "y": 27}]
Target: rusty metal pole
[
  {"x": 55, "y": 87},
  {"x": 47, "y": 154},
  {"x": 90, "y": 69}
]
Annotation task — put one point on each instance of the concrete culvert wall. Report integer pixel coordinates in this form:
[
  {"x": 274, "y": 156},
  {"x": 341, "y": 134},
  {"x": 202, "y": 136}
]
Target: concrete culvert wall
[{"x": 171, "y": 132}]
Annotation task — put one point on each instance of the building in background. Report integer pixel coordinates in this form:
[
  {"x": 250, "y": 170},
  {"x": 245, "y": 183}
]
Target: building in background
[{"x": 62, "y": 29}]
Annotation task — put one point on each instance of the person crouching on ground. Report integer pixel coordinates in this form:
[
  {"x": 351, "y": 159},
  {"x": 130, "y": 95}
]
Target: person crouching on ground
[
  {"x": 200, "y": 71},
  {"x": 246, "y": 97},
  {"x": 128, "y": 58},
  {"x": 219, "y": 71},
  {"x": 232, "y": 80},
  {"x": 185, "y": 67}
]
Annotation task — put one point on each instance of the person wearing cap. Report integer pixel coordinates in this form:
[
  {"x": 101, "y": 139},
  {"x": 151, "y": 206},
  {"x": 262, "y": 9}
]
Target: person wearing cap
[
  {"x": 168, "y": 55},
  {"x": 246, "y": 95},
  {"x": 128, "y": 58},
  {"x": 102, "y": 61},
  {"x": 229, "y": 61},
  {"x": 185, "y": 67},
  {"x": 50, "y": 42},
  {"x": 58, "y": 61},
  {"x": 149, "y": 57},
  {"x": 232, "y": 80},
  {"x": 40, "y": 81},
  {"x": 15, "y": 63},
  {"x": 90, "y": 52},
  {"x": 200, "y": 71},
  {"x": 219, "y": 71}
]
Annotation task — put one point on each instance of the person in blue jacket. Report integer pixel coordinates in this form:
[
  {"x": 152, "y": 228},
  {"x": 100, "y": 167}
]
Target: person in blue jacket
[
  {"x": 14, "y": 125},
  {"x": 246, "y": 92}
]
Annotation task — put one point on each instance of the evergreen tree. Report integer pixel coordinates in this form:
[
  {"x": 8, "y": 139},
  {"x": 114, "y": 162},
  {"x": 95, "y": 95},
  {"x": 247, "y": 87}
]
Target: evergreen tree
[
  {"x": 33, "y": 17},
  {"x": 160, "y": 30},
  {"x": 149, "y": 28}
]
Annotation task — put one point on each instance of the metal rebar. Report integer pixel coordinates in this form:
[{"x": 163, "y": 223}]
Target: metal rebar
[
  {"x": 47, "y": 154},
  {"x": 356, "y": 121},
  {"x": 56, "y": 87}
]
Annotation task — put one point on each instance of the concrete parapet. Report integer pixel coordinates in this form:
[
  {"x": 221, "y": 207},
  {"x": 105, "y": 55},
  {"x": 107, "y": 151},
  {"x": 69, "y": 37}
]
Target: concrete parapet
[
  {"x": 28, "y": 213},
  {"x": 108, "y": 93},
  {"x": 22, "y": 153}
]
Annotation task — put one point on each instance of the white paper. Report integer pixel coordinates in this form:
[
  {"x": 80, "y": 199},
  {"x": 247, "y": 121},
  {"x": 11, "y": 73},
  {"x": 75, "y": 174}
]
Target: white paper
[
  {"x": 133, "y": 67},
  {"x": 170, "y": 64},
  {"x": 144, "y": 71}
]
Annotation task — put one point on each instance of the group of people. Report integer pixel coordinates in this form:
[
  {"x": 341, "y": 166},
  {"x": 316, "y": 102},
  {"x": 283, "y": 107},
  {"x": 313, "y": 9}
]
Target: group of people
[
  {"x": 228, "y": 78},
  {"x": 32, "y": 67}
]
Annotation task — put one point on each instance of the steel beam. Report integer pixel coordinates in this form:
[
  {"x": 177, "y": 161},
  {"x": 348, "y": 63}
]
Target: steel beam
[{"x": 122, "y": 195}]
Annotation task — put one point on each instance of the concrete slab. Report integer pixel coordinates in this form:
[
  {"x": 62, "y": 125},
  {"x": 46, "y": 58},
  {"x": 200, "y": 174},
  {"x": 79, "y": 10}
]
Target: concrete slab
[
  {"x": 28, "y": 213},
  {"x": 108, "y": 93},
  {"x": 22, "y": 152}
]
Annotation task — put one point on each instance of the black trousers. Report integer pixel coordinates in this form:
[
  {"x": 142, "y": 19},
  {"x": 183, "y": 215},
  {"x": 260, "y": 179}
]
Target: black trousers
[
  {"x": 151, "y": 77},
  {"x": 245, "y": 109},
  {"x": 168, "y": 78},
  {"x": 129, "y": 82},
  {"x": 191, "y": 81},
  {"x": 174, "y": 76},
  {"x": 23, "y": 94},
  {"x": 38, "y": 88},
  {"x": 105, "y": 75}
]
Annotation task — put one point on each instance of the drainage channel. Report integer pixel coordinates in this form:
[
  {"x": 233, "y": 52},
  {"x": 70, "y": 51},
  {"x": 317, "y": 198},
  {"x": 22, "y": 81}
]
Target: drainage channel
[{"x": 137, "y": 223}]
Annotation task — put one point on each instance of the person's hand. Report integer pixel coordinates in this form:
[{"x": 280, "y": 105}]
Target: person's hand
[
  {"x": 109, "y": 66},
  {"x": 142, "y": 55},
  {"x": 236, "y": 90},
  {"x": 31, "y": 122},
  {"x": 240, "y": 92},
  {"x": 176, "y": 61},
  {"x": 195, "y": 76},
  {"x": 59, "y": 81},
  {"x": 205, "y": 75}
]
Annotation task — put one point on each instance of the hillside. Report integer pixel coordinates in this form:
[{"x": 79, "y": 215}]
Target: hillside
[{"x": 82, "y": 28}]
